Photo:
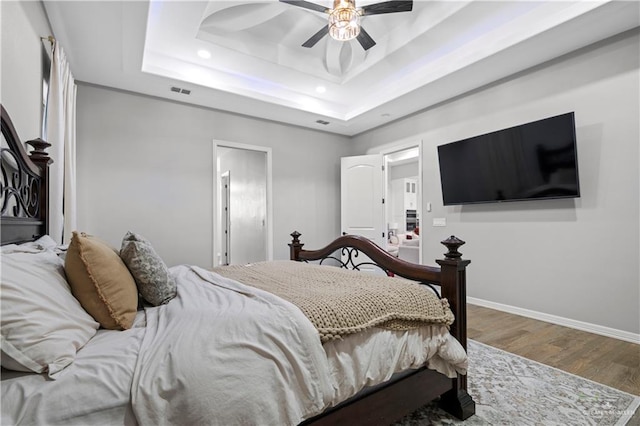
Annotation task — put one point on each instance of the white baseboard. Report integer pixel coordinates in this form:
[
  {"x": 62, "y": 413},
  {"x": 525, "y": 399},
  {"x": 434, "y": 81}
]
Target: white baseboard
[{"x": 553, "y": 319}]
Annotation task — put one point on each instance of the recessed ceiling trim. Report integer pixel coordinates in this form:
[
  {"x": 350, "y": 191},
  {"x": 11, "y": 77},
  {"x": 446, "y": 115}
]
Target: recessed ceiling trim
[
  {"x": 481, "y": 31},
  {"x": 400, "y": 75},
  {"x": 244, "y": 85}
]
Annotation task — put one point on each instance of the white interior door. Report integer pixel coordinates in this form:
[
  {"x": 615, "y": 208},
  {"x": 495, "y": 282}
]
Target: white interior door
[{"x": 362, "y": 205}]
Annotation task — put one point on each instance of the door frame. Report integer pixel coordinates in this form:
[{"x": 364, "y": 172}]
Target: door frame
[
  {"x": 391, "y": 148},
  {"x": 225, "y": 216},
  {"x": 217, "y": 220}
]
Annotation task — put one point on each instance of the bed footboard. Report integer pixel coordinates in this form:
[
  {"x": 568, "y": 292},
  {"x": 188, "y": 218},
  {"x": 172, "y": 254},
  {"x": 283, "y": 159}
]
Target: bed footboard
[{"x": 450, "y": 276}]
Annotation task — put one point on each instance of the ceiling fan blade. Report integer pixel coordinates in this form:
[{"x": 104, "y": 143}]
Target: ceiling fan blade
[
  {"x": 307, "y": 5},
  {"x": 316, "y": 37},
  {"x": 365, "y": 39},
  {"x": 387, "y": 7}
]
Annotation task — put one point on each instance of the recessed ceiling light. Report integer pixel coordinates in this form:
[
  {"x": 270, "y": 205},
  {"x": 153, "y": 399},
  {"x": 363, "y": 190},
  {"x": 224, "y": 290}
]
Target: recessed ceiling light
[
  {"x": 204, "y": 54},
  {"x": 321, "y": 89},
  {"x": 385, "y": 115}
]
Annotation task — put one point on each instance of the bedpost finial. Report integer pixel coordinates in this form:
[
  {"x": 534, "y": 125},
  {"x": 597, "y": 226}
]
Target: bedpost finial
[
  {"x": 39, "y": 147},
  {"x": 453, "y": 243},
  {"x": 295, "y": 246}
]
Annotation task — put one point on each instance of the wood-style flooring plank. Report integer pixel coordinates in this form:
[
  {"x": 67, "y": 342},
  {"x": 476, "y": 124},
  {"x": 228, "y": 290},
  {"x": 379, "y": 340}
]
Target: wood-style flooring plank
[{"x": 602, "y": 359}]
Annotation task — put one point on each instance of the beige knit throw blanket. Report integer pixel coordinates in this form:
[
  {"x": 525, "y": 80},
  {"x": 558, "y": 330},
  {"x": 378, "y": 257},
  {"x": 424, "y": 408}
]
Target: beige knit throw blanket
[{"x": 340, "y": 302}]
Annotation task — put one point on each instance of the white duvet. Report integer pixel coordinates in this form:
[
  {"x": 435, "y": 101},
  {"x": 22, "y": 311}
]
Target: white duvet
[
  {"x": 252, "y": 349},
  {"x": 221, "y": 353}
]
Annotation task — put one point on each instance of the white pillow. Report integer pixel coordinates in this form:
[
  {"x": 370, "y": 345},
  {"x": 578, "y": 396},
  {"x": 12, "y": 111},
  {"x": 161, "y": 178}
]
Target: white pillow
[{"x": 43, "y": 325}]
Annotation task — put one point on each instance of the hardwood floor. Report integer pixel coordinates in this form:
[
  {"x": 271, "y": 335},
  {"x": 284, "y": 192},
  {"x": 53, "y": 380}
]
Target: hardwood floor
[{"x": 602, "y": 359}]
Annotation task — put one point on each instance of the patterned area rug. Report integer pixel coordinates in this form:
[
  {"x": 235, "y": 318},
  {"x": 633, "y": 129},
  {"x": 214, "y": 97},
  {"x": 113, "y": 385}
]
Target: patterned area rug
[{"x": 511, "y": 390}]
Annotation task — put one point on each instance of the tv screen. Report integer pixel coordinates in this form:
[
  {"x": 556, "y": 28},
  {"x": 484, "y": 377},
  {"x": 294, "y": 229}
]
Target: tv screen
[{"x": 532, "y": 161}]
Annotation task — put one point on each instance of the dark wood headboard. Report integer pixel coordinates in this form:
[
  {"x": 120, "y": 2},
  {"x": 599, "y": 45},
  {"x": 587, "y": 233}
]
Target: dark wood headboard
[{"x": 24, "y": 186}]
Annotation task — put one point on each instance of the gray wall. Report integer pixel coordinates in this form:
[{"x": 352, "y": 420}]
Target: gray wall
[
  {"x": 577, "y": 259},
  {"x": 21, "y": 26},
  {"x": 146, "y": 165}
]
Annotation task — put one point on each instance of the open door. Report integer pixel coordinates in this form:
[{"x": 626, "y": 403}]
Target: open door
[{"x": 362, "y": 204}]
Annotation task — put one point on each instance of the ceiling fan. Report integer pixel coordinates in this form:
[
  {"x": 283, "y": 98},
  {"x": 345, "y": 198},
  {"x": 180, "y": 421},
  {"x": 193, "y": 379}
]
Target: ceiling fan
[{"x": 344, "y": 19}]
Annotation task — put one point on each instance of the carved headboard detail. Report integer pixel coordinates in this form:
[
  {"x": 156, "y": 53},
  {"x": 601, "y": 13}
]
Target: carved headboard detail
[{"x": 24, "y": 186}]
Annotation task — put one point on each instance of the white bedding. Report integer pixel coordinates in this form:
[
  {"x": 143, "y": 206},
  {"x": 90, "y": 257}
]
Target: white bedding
[
  {"x": 93, "y": 390},
  {"x": 255, "y": 349},
  {"x": 196, "y": 362},
  {"x": 372, "y": 357}
]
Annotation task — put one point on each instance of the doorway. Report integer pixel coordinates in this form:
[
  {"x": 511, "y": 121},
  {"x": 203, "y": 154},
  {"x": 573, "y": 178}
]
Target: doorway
[
  {"x": 242, "y": 204},
  {"x": 368, "y": 197},
  {"x": 403, "y": 187}
]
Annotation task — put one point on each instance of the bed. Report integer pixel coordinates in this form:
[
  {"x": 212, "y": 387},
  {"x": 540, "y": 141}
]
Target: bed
[{"x": 232, "y": 345}]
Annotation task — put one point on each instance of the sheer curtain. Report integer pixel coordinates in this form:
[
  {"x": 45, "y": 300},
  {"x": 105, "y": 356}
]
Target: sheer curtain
[{"x": 61, "y": 134}]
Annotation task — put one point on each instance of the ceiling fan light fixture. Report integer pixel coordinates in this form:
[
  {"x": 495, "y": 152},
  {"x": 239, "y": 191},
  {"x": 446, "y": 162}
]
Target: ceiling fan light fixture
[{"x": 344, "y": 20}]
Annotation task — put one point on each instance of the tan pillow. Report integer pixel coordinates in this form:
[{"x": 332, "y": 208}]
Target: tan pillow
[{"x": 101, "y": 282}]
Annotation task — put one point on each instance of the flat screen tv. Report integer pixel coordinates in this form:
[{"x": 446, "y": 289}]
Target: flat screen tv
[{"x": 531, "y": 161}]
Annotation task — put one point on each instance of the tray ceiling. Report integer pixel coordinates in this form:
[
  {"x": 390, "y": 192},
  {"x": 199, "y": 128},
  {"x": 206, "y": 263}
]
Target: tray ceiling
[{"x": 257, "y": 67}]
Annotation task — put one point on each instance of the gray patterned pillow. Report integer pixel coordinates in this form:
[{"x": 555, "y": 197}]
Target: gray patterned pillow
[{"x": 151, "y": 274}]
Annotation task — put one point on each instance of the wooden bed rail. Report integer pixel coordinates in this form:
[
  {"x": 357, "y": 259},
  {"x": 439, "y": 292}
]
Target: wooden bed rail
[{"x": 450, "y": 275}]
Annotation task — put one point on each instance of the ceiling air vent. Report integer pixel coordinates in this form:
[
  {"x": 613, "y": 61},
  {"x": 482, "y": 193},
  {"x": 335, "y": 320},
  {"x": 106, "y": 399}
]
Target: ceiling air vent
[
  {"x": 322, "y": 122},
  {"x": 180, "y": 90}
]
